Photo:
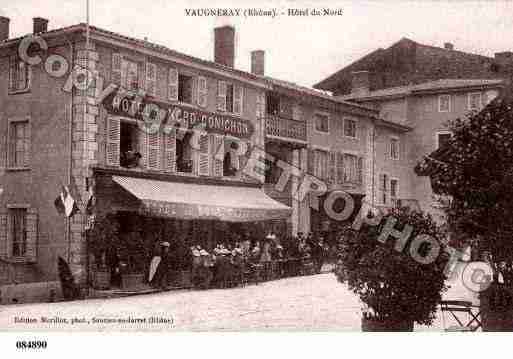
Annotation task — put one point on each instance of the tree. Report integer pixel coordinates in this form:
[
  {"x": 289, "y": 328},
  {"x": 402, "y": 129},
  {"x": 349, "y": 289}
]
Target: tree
[{"x": 475, "y": 169}]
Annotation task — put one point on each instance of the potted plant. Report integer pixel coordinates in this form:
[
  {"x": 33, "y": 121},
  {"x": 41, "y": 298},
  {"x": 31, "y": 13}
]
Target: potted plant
[
  {"x": 395, "y": 289},
  {"x": 101, "y": 238}
]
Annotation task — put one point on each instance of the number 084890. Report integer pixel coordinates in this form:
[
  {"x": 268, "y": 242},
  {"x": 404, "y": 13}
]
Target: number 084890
[{"x": 31, "y": 344}]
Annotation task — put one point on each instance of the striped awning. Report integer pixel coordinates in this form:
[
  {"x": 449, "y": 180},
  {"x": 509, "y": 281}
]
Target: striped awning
[{"x": 198, "y": 201}]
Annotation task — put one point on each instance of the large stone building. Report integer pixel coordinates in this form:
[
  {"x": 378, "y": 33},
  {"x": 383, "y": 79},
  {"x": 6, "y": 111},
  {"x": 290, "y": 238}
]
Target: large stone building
[
  {"x": 422, "y": 87},
  {"x": 62, "y": 124}
]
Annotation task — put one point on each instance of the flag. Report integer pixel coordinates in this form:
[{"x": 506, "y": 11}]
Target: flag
[{"x": 65, "y": 204}]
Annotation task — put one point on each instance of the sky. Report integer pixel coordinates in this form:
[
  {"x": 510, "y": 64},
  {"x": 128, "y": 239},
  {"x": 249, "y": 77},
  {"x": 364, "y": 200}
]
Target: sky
[{"x": 301, "y": 49}]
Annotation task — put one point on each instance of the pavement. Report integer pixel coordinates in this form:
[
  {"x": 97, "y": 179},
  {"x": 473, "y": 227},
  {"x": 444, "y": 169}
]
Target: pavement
[{"x": 308, "y": 303}]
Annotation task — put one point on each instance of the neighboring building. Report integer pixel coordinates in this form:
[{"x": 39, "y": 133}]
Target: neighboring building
[
  {"x": 425, "y": 107},
  {"x": 408, "y": 62}
]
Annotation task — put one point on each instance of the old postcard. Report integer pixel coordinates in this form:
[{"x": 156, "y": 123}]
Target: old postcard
[{"x": 253, "y": 166}]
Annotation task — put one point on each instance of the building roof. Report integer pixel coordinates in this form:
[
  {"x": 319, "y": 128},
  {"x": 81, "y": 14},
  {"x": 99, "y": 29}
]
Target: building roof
[
  {"x": 441, "y": 85},
  {"x": 407, "y": 62}
]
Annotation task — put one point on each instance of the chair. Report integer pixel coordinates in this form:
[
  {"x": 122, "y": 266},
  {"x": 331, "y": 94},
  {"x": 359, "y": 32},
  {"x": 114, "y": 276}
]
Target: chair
[{"x": 472, "y": 312}]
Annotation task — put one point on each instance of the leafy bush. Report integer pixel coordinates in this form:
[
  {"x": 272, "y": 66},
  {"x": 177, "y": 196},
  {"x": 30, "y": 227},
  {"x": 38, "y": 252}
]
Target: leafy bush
[{"x": 389, "y": 282}]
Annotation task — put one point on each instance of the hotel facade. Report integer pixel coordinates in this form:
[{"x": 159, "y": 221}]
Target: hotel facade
[{"x": 195, "y": 177}]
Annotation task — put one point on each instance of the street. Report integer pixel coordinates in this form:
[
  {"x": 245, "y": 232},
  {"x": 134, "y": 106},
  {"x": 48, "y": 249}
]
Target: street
[{"x": 306, "y": 303}]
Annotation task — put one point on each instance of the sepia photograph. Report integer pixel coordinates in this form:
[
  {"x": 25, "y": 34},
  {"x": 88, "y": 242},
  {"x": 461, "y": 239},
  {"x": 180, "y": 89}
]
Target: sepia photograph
[{"x": 255, "y": 166}]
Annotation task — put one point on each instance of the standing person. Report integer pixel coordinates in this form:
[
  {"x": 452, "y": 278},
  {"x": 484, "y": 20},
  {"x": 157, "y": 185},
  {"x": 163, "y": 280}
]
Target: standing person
[
  {"x": 160, "y": 279},
  {"x": 265, "y": 257}
]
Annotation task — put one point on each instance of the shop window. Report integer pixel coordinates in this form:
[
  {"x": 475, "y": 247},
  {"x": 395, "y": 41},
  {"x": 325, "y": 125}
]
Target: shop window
[
  {"x": 184, "y": 162},
  {"x": 185, "y": 88},
  {"x": 19, "y": 75},
  {"x": 130, "y": 157},
  {"x": 321, "y": 123}
]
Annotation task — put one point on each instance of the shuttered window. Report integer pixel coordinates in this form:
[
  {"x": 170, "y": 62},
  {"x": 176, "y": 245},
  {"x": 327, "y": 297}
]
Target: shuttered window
[
  {"x": 19, "y": 75},
  {"x": 260, "y": 105},
  {"x": 113, "y": 141},
  {"x": 202, "y": 91},
  {"x": 383, "y": 187},
  {"x": 221, "y": 96},
  {"x": 218, "y": 149},
  {"x": 172, "y": 84},
  {"x": 297, "y": 113},
  {"x": 332, "y": 169},
  {"x": 19, "y": 144},
  {"x": 151, "y": 79},
  {"x": 340, "y": 168},
  {"x": 116, "y": 68},
  {"x": 321, "y": 159},
  {"x": 153, "y": 150},
  {"x": 18, "y": 234},
  {"x": 238, "y": 99}
]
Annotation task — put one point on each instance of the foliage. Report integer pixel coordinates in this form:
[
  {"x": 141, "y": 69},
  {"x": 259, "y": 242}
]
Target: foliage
[
  {"x": 102, "y": 237},
  {"x": 476, "y": 171},
  {"x": 389, "y": 282}
]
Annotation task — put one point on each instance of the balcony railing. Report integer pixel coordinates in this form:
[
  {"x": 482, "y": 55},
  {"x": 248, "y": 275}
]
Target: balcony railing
[{"x": 285, "y": 128}]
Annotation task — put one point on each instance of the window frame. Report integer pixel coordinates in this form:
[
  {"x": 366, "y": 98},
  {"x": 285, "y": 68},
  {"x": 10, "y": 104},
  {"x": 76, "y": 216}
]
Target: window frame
[
  {"x": 396, "y": 180},
  {"x": 194, "y": 87},
  {"x": 327, "y": 115},
  {"x": 440, "y": 103},
  {"x": 385, "y": 190},
  {"x": 398, "y": 141},
  {"x": 10, "y": 122},
  {"x": 12, "y": 91},
  {"x": 469, "y": 96},
  {"x": 437, "y": 139},
  {"x": 138, "y": 64},
  {"x": 345, "y": 120}
]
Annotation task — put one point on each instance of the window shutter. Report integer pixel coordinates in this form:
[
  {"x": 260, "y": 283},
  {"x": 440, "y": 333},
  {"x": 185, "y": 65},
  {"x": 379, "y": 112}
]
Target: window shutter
[
  {"x": 172, "y": 84},
  {"x": 153, "y": 150},
  {"x": 151, "y": 79},
  {"x": 113, "y": 137},
  {"x": 218, "y": 150},
  {"x": 332, "y": 167},
  {"x": 260, "y": 105},
  {"x": 116, "y": 69},
  {"x": 340, "y": 168},
  {"x": 297, "y": 113},
  {"x": 221, "y": 96},
  {"x": 238, "y": 99},
  {"x": 3, "y": 236},
  {"x": 202, "y": 91},
  {"x": 311, "y": 162},
  {"x": 170, "y": 151},
  {"x": 204, "y": 156},
  {"x": 31, "y": 228},
  {"x": 26, "y": 143},
  {"x": 360, "y": 170},
  {"x": 12, "y": 73},
  {"x": 194, "y": 90}
]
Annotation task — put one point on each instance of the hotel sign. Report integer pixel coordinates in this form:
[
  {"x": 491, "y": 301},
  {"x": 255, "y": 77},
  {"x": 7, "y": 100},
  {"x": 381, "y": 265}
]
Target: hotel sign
[{"x": 131, "y": 105}]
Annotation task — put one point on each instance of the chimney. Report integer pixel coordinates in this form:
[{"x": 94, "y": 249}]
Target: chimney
[
  {"x": 40, "y": 25},
  {"x": 360, "y": 84},
  {"x": 258, "y": 62},
  {"x": 224, "y": 45},
  {"x": 448, "y": 46},
  {"x": 4, "y": 28}
]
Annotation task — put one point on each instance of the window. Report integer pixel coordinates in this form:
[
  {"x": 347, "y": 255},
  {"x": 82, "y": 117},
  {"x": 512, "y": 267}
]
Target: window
[
  {"x": 19, "y": 144},
  {"x": 19, "y": 75},
  {"x": 273, "y": 104},
  {"x": 394, "y": 148},
  {"x": 351, "y": 168},
  {"x": 130, "y": 151},
  {"x": 230, "y": 98},
  {"x": 394, "y": 189},
  {"x": 129, "y": 74},
  {"x": 18, "y": 231},
  {"x": 184, "y": 162},
  {"x": 321, "y": 123},
  {"x": 321, "y": 164},
  {"x": 444, "y": 103},
  {"x": 383, "y": 186},
  {"x": 349, "y": 128},
  {"x": 185, "y": 88},
  {"x": 474, "y": 101},
  {"x": 442, "y": 138}
]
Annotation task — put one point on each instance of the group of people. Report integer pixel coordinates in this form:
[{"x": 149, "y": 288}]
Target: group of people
[{"x": 228, "y": 263}]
